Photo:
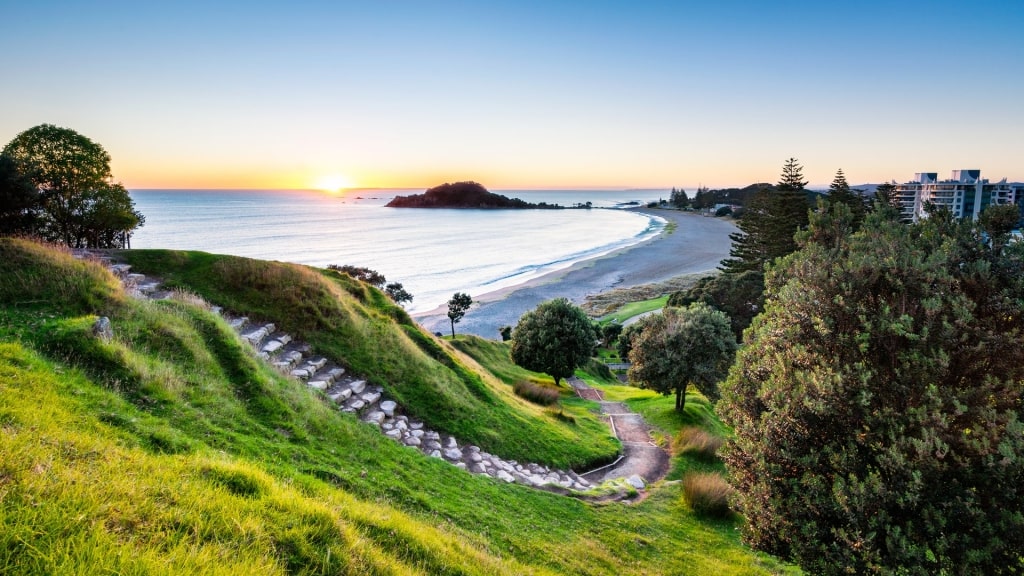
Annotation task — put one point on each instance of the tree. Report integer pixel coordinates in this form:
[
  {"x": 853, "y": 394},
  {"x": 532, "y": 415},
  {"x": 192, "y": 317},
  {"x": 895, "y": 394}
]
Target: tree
[
  {"x": 683, "y": 346},
  {"x": 397, "y": 293},
  {"x": 770, "y": 220},
  {"x": 609, "y": 332},
  {"x": 877, "y": 403},
  {"x": 19, "y": 200},
  {"x": 626, "y": 339},
  {"x": 739, "y": 296},
  {"x": 506, "y": 333},
  {"x": 839, "y": 192},
  {"x": 457, "y": 308},
  {"x": 998, "y": 221},
  {"x": 79, "y": 203},
  {"x": 678, "y": 198},
  {"x": 555, "y": 338}
]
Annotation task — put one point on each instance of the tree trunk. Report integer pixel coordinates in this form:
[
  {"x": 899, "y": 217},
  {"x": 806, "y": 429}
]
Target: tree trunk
[
  {"x": 680, "y": 399},
  {"x": 557, "y": 379},
  {"x": 453, "y": 329}
]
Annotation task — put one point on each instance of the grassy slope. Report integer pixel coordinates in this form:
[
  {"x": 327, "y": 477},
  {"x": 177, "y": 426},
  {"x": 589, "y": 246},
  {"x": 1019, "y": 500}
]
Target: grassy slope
[
  {"x": 171, "y": 450},
  {"x": 360, "y": 327},
  {"x": 634, "y": 309}
]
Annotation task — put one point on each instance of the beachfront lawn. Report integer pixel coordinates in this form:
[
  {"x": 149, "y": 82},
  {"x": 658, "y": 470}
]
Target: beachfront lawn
[{"x": 635, "y": 309}]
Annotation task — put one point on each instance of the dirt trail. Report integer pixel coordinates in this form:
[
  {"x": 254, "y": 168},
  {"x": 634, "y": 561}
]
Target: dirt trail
[{"x": 640, "y": 455}]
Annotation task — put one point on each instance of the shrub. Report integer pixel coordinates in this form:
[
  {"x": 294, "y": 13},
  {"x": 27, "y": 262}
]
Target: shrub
[
  {"x": 697, "y": 442},
  {"x": 535, "y": 393},
  {"x": 707, "y": 494}
]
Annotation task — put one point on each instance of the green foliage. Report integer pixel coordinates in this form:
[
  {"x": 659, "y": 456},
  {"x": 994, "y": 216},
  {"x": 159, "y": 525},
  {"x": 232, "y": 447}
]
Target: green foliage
[
  {"x": 697, "y": 442},
  {"x": 506, "y": 333},
  {"x": 78, "y": 204},
  {"x": 458, "y": 305},
  {"x": 19, "y": 199},
  {"x": 361, "y": 273},
  {"x": 877, "y": 403},
  {"x": 839, "y": 193},
  {"x": 397, "y": 293},
  {"x": 683, "y": 346},
  {"x": 740, "y": 296},
  {"x": 610, "y": 333},
  {"x": 678, "y": 198},
  {"x": 770, "y": 220},
  {"x": 998, "y": 221},
  {"x": 556, "y": 337}
]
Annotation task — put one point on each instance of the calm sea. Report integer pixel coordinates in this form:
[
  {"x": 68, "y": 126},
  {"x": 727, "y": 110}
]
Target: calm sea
[{"x": 433, "y": 253}]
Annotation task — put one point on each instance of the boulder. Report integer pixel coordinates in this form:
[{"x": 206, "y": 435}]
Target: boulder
[
  {"x": 318, "y": 384},
  {"x": 505, "y": 476},
  {"x": 357, "y": 386},
  {"x": 388, "y": 407},
  {"x": 340, "y": 396},
  {"x": 375, "y": 417},
  {"x": 636, "y": 482},
  {"x": 453, "y": 454},
  {"x": 102, "y": 328},
  {"x": 411, "y": 441},
  {"x": 370, "y": 397}
]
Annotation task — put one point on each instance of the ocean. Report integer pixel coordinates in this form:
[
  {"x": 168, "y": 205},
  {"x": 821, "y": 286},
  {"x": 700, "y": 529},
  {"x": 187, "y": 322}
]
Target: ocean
[{"x": 432, "y": 252}]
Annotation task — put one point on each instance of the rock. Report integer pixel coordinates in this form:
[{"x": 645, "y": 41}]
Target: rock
[
  {"x": 272, "y": 346},
  {"x": 216, "y": 310},
  {"x": 388, "y": 407},
  {"x": 505, "y": 476},
  {"x": 412, "y": 441},
  {"x": 417, "y": 433},
  {"x": 432, "y": 445},
  {"x": 357, "y": 386},
  {"x": 102, "y": 328},
  {"x": 435, "y": 454},
  {"x": 340, "y": 396},
  {"x": 451, "y": 443},
  {"x": 400, "y": 424},
  {"x": 136, "y": 277},
  {"x": 370, "y": 397},
  {"x": 460, "y": 465},
  {"x": 284, "y": 338},
  {"x": 393, "y": 434},
  {"x": 477, "y": 468},
  {"x": 636, "y": 482},
  {"x": 120, "y": 268},
  {"x": 375, "y": 417},
  {"x": 431, "y": 435},
  {"x": 300, "y": 373},
  {"x": 475, "y": 457},
  {"x": 453, "y": 454},
  {"x": 318, "y": 362},
  {"x": 237, "y": 323},
  {"x": 336, "y": 373},
  {"x": 357, "y": 404},
  {"x": 416, "y": 425},
  {"x": 318, "y": 384}
]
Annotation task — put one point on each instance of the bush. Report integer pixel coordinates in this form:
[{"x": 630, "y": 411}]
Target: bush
[
  {"x": 707, "y": 494},
  {"x": 535, "y": 393},
  {"x": 697, "y": 442}
]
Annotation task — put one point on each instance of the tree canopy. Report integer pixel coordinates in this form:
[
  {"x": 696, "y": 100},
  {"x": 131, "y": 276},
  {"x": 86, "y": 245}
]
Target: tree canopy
[
  {"x": 770, "y": 220},
  {"x": 740, "y": 296},
  {"x": 683, "y": 346},
  {"x": 877, "y": 403},
  {"x": 78, "y": 203},
  {"x": 458, "y": 305},
  {"x": 555, "y": 338},
  {"x": 839, "y": 192}
]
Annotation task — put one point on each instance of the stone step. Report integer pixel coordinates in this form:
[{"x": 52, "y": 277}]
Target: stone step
[
  {"x": 340, "y": 395},
  {"x": 237, "y": 323}
]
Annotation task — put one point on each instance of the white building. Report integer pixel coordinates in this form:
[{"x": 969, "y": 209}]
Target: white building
[{"x": 966, "y": 194}]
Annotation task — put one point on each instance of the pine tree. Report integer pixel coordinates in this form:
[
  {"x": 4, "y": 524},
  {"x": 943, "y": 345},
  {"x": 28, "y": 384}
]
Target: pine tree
[
  {"x": 839, "y": 192},
  {"x": 769, "y": 222}
]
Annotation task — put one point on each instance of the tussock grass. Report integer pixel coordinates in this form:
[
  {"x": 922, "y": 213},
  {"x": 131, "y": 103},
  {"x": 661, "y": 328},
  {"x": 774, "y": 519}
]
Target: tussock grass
[
  {"x": 697, "y": 442},
  {"x": 707, "y": 494},
  {"x": 535, "y": 393}
]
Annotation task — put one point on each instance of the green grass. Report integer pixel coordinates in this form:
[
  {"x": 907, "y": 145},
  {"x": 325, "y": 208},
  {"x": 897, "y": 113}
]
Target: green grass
[
  {"x": 635, "y": 309},
  {"x": 170, "y": 449}
]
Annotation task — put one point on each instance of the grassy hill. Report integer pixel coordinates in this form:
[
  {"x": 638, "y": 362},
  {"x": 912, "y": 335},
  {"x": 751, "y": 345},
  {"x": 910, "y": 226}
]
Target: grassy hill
[{"x": 171, "y": 449}]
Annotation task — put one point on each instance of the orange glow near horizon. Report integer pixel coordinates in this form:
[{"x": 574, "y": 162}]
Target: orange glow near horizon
[{"x": 334, "y": 183}]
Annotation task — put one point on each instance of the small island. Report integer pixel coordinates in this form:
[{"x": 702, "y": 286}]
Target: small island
[{"x": 463, "y": 195}]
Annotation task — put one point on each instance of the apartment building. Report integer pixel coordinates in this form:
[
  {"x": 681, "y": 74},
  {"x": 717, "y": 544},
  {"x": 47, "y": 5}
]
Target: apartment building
[{"x": 966, "y": 194}]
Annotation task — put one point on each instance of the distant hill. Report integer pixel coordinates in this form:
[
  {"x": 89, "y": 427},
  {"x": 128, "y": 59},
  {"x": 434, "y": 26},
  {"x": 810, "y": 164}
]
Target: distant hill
[{"x": 462, "y": 195}]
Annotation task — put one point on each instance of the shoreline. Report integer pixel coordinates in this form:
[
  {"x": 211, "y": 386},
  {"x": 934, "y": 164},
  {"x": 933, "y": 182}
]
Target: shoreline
[{"x": 697, "y": 244}]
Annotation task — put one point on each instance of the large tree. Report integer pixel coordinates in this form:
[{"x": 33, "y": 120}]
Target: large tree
[
  {"x": 555, "y": 338},
  {"x": 683, "y": 346},
  {"x": 79, "y": 203},
  {"x": 770, "y": 220},
  {"x": 877, "y": 403}
]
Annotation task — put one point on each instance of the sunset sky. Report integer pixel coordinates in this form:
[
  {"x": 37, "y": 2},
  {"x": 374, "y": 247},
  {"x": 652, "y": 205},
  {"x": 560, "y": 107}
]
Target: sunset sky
[{"x": 520, "y": 94}]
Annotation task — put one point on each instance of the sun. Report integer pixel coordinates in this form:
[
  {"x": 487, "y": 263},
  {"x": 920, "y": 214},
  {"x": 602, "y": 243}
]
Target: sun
[{"x": 334, "y": 183}]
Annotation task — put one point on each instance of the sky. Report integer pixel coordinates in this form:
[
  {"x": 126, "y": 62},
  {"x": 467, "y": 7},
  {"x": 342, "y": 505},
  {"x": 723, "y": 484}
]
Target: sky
[{"x": 522, "y": 94}]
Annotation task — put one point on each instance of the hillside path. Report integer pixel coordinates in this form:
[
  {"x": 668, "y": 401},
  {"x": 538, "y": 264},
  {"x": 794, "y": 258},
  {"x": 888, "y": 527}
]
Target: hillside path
[{"x": 640, "y": 455}]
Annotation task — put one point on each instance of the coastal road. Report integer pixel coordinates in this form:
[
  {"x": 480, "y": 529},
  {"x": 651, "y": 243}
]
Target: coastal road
[{"x": 697, "y": 244}]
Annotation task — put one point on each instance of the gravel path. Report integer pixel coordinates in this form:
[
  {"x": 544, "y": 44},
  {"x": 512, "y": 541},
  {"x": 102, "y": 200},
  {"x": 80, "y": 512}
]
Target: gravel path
[{"x": 640, "y": 455}]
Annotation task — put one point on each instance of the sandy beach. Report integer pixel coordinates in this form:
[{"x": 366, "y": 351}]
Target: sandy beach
[{"x": 697, "y": 244}]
